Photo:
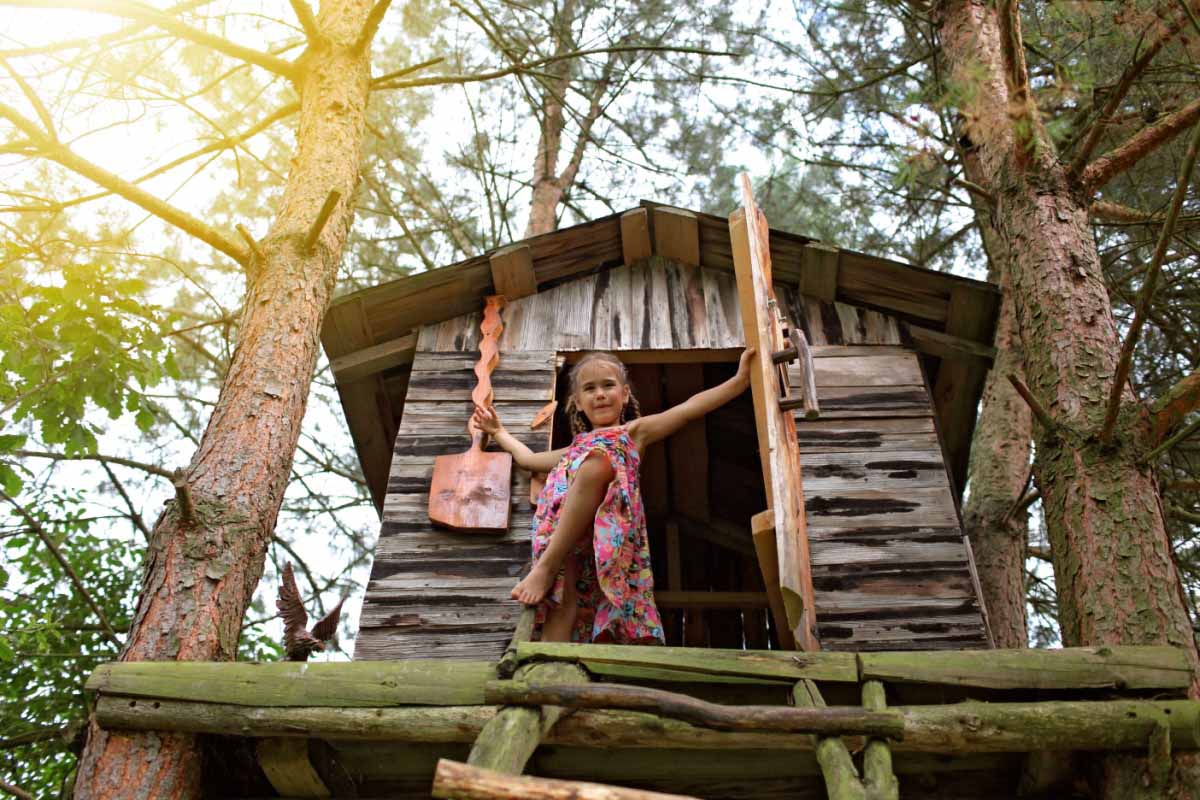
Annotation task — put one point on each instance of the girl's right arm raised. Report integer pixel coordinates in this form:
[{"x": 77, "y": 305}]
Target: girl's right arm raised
[{"x": 489, "y": 422}]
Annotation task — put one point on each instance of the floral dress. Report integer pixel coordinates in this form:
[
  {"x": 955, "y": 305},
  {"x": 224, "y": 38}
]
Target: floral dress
[{"x": 615, "y": 586}]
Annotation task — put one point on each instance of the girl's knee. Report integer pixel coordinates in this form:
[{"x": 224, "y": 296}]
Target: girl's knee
[{"x": 595, "y": 470}]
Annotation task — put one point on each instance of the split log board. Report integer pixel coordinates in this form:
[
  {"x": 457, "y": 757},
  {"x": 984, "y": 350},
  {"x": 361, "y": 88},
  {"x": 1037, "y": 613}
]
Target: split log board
[
  {"x": 434, "y": 591},
  {"x": 891, "y": 569}
]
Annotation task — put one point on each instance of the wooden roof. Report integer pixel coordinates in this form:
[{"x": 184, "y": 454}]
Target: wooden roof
[{"x": 370, "y": 335}]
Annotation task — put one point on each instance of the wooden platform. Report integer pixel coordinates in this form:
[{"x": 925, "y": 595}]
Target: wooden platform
[{"x": 966, "y": 722}]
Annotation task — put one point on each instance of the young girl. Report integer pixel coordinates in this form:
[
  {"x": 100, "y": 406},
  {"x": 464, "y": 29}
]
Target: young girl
[{"x": 591, "y": 573}]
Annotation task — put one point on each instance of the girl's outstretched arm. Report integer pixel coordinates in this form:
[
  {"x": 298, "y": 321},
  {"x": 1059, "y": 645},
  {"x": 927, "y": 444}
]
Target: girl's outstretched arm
[
  {"x": 655, "y": 427},
  {"x": 489, "y": 422}
]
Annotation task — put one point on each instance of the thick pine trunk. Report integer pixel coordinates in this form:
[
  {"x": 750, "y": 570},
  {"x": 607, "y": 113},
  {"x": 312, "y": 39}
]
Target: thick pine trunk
[
  {"x": 999, "y": 468},
  {"x": 1114, "y": 572},
  {"x": 200, "y": 574}
]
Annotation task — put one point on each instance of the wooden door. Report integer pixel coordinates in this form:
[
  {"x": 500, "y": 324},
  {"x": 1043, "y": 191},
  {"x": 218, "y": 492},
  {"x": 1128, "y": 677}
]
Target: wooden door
[{"x": 781, "y": 537}]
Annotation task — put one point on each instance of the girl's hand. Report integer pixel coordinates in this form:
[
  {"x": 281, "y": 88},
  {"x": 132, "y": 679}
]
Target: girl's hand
[
  {"x": 743, "y": 372},
  {"x": 487, "y": 420}
]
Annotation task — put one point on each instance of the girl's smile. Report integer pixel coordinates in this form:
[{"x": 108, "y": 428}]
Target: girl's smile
[{"x": 602, "y": 394}]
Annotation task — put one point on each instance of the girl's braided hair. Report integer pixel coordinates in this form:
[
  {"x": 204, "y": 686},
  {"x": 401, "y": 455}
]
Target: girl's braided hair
[{"x": 578, "y": 421}]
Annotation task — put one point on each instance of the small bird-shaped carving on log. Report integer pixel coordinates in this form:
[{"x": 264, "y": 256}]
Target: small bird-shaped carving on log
[{"x": 298, "y": 642}]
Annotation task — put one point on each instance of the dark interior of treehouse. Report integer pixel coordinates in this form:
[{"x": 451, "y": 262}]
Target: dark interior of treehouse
[{"x": 700, "y": 489}]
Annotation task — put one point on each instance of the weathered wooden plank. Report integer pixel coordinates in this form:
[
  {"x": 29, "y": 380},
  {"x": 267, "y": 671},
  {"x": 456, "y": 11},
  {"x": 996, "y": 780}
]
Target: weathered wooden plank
[
  {"x": 696, "y": 663},
  {"x": 882, "y": 434},
  {"x": 869, "y": 507},
  {"x": 892, "y": 286},
  {"x": 528, "y": 361},
  {"x": 635, "y": 235},
  {"x": 658, "y": 320},
  {"x": 507, "y": 385},
  {"x": 677, "y": 235},
  {"x": 581, "y": 248},
  {"x": 1111, "y": 667},
  {"x": 858, "y": 370},
  {"x": 373, "y": 359},
  {"x": 873, "y": 401},
  {"x": 512, "y": 271},
  {"x": 819, "y": 271},
  {"x": 537, "y": 325},
  {"x": 459, "y": 334},
  {"x": 601, "y": 334},
  {"x": 621, "y": 324},
  {"x": 828, "y": 473},
  {"x": 572, "y": 304},
  {"x": 832, "y": 550},
  {"x": 819, "y": 320},
  {"x": 285, "y": 764},
  {"x": 354, "y": 684},
  {"x": 720, "y": 301},
  {"x": 686, "y": 309},
  {"x": 391, "y": 644}
]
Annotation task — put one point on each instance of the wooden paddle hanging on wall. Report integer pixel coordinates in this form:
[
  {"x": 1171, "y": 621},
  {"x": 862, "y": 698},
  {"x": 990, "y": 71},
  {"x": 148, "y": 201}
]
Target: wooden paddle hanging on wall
[{"x": 471, "y": 491}]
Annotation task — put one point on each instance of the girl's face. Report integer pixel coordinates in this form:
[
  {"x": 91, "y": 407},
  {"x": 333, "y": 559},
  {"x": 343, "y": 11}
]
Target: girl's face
[{"x": 601, "y": 394}]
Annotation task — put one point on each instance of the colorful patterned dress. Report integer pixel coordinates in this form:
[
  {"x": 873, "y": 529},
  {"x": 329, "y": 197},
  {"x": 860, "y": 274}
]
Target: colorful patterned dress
[{"x": 615, "y": 585}]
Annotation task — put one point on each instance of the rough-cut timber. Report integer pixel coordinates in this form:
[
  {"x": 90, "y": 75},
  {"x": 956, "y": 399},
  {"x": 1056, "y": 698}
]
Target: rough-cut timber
[
  {"x": 199, "y": 576},
  {"x": 472, "y": 783},
  {"x": 891, "y": 568}
]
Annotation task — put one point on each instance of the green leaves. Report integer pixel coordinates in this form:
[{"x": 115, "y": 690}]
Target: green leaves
[{"x": 90, "y": 338}]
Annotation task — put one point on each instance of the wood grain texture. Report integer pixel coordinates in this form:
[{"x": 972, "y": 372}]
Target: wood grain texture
[
  {"x": 635, "y": 235},
  {"x": 439, "y": 592},
  {"x": 512, "y": 271}
]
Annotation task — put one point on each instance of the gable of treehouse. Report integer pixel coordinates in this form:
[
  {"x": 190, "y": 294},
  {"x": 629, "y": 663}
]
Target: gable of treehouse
[{"x": 891, "y": 568}]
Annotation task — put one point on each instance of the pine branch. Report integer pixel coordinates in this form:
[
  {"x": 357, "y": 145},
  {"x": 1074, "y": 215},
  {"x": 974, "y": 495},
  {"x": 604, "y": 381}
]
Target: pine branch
[
  {"x": 400, "y": 73},
  {"x": 63, "y": 155},
  {"x": 134, "y": 516},
  {"x": 1149, "y": 286},
  {"x": 1141, "y": 144},
  {"x": 307, "y": 21},
  {"x": 73, "y": 576},
  {"x": 152, "y": 16},
  {"x": 371, "y": 26},
  {"x": 1096, "y": 130},
  {"x": 93, "y": 41},
  {"x": 97, "y": 457},
  {"x": 15, "y": 791},
  {"x": 1039, "y": 413},
  {"x": 38, "y": 106},
  {"x": 442, "y": 80},
  {"x": 1175, "y": 405},
  {"x": 1021, "y": 107}
]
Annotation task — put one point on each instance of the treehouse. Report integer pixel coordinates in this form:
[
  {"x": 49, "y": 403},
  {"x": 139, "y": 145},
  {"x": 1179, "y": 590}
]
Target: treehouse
[{"x": 826, "y": 636}]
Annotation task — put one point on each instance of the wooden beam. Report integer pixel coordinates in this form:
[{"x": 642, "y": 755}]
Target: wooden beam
[
  {"x": 971, "y": 315},
  {"x": 837, "y": 765},
  {"x": 726, "y": 355},
  {"x": 878, "y": 774},
  {"x": 509, "y": 738},
  {"x": 512, "y": 271},
  {"x": 677, "y": 235},
  {"x": 464, "y": 782},
  {"x": 635, "y": 236},
  {"x": 819, "y": 271},
  {"x": 944, "y": 346},
  {"x": 286, "y": 765},
  {"x": 376, "y": 358},
  {"x": 778, "y": 448}
]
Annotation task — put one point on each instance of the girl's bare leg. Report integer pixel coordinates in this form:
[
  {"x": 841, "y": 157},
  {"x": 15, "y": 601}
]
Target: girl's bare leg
[
  {"x": 574, "y": 521},
  {"x": 561, "y": 619}
]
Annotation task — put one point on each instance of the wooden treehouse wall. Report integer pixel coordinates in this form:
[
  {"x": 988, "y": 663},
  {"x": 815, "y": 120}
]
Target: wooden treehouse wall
[{"x": 890, "y": 564}]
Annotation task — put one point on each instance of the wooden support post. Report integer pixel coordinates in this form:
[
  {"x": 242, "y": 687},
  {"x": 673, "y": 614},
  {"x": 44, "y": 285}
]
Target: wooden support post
[
  {"x": 779, "y": 451},
  {"x": 677, "y": 235},
  {"x": 878, "y": 775},
  {"x": 837, "y": 765},
  {"x": 509, "y": 738},
  {"x": 507, "y": 666},
  {"x": 819, "y": 271},
  {"x": 512, "y": 272},
  {"x": 464, "y": 782},
  {"x": 635, "y": 235},
  {"x": 762, "y": 528},
  {"x": 286, "y": 765}
]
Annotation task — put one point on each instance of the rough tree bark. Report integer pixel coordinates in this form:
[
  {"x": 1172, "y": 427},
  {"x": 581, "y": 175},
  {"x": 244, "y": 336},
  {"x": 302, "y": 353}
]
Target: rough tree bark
[
  {"x": 999, "y": 470},
  {"x": 201, "y": 572},
  {"x": 1115, "y": 576}
]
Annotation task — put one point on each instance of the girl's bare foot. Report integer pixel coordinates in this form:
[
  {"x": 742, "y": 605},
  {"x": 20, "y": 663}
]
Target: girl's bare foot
[{"x": 533, "y": 587}]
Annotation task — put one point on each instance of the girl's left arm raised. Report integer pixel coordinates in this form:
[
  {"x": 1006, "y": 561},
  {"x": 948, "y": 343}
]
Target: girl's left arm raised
[{"x": 655, "y": 427}]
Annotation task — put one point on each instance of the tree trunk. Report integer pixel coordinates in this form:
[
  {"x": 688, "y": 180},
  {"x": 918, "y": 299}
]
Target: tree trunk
[
  {"x": 201, "y": 572},
  {"x": 1114, "y": 572},
  {"x": 999, "y": 466}
]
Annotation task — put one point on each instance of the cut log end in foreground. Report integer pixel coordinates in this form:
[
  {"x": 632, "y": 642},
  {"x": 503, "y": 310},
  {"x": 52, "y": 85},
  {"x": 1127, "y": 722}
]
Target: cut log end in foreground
[{"x": 464, "y": 782}]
